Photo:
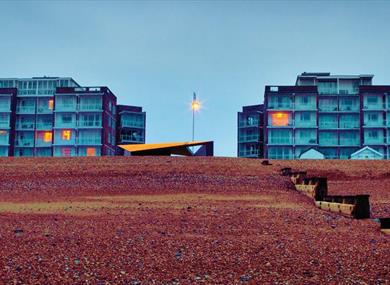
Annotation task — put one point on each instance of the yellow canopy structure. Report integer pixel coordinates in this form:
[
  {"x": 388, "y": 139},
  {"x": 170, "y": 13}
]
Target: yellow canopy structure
[{"x": 178, "y": 148}]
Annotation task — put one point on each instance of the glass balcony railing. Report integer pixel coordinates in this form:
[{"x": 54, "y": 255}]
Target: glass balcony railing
[
  {"x": 349, "y": 108},
  {"x": 65, "y": 125},
  {"x": 65, "y": 108},
  {"x": 349, "y": 142},
  {"x": 89, "y": 141},
  {"x": 130, "y": 138},
  {"x": 4, "y": 124},
  {"x": 41, "y": 143},
  {"x": 305, "y": 123},
  {"x": 349, "y": 124},
  {"x": 378, "y": 140},
  {"x": 305, "y": 107},
  {"x": 90, "y": 124},
  {"x": 373, "y": 123},
  {"x": 90, "y": 107},
  {"x": 248, "y": 138},
  {"x": 328, "y": 125},
  {"x": 305, "y": 141},
  {"x": 283, "y": 106},
  {"x": 328, "y": 141},
  {"x": 328, "y": 108},
  {"x": 44, "y": 126},
  {"x": 25, "y": 109},
  {"x": 249, "y": 153},
  {"x": 25, "y": 125},
  {"x": 245, "y": 123},
  {"x": 280, "y": 140},
  {"x": 24, "y": 142}
]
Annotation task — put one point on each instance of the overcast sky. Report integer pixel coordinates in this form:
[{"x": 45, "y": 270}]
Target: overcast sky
[{"x": 155, "y": 54}]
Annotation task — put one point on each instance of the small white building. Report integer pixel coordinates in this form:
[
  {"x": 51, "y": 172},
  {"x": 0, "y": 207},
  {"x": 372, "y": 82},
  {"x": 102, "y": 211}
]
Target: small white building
[
  {"x": 366, "y": 153},
  {"x": 312, "y": 154}
]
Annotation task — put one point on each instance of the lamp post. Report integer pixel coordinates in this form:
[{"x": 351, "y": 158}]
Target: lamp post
[{"x": 195, "y": 106}]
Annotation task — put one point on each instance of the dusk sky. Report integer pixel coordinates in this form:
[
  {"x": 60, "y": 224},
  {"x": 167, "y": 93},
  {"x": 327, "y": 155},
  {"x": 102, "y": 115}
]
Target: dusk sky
[{"x": 155, "y": 54}]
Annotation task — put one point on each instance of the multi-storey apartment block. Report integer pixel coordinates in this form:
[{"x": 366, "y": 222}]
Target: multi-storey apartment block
[
  {"x": 52, "y": 116},
  {"x": 336, "y": 115},
  {"x": 131, "y": 125},
  {"x": 250, "y": 131}
]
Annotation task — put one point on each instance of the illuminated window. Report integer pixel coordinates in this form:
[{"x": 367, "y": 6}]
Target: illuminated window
[
  {"x": 3, "y": 133},
  {"x": 66, "y": 135},
  {"x": 50, "y": 104},
  {"x": 279, "y": 119},
  {"x": 47, "y": 136},
  {"x": 91, "y": 151}
]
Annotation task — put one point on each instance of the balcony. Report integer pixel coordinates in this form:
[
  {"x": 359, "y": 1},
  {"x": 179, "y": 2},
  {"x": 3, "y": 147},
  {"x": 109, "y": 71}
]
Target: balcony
[
  {"x": 350, "y": 142},
  {"x": 299, "y": 141},
  {"x": 89, "y": 124},
  {"x": 24, "y": 142},
  {"x": 248, "y": 138},
  {"x": 373, "y": 106},
  {"x": 62, "y": 125},
  {"x": 349, "y": 124},
  {"x": 328, "y": 108},
  {"x": 328, "y": 125},
  {"x": 25, "y": 109},
  {"x": 89, "y": 141},
  {"x": 249, "y": 153},
  {"x": 349, "y": 108},
  {"x": 306, "y": 124},
  {"x": 286, "y": 141},
  {"x": 374, "y": 124},
  {"x": 44, "y": 126},
  {"x": 303, "y": 107},
  {"x": 329, "y": 142},
  {"x": 65, "y": 108},
  {"x": 246, "y": 124},
  {"x": 131, "y": 138},
  {"x": 374, "y": 141},
  {"x": 90, "y": 107},
  {"x": 4, "y": 125},
  {"x": 286, "y": 106},
  {"x": 25, "y": 125}
]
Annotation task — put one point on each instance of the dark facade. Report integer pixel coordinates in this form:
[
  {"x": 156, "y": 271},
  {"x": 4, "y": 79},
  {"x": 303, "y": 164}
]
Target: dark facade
[
  {"x": 250, "y": 135},
  {"x": 52, "y": 116}
]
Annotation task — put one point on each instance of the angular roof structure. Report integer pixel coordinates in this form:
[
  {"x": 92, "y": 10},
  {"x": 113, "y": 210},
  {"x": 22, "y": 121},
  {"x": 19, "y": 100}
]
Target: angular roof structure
[{"x": 174, "y": 148}]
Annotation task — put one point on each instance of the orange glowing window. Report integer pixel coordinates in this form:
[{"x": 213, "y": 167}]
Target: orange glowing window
[
  {"x": 3, "y": 132},
  {"x": 50, "y": 104},
  {"x": 66, "y": 135},
  {"x": 47, "y": 136},
  {"x": 280, "y": 119},
  {"x": 91, "y": 151}
]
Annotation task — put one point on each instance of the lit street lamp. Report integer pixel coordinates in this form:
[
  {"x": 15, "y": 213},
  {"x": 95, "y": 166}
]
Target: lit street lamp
[{"x": 195, "y": 106}]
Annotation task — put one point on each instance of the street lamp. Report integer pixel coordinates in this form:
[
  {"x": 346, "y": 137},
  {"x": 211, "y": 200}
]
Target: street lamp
[{"x": 195, "y": 106}]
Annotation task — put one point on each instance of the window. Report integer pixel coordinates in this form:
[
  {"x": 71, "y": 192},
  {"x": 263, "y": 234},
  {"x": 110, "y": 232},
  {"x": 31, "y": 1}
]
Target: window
[
  {"x": 371, "y": 100},
  {"x": 91, "y": 151},
  {"x": 66, "y": 151},
  {"x": 47, "y": 136},
  {"x": 66, "y": 135},
  {"x": 305, "y": 116},
  {"x": 50, "y": 104},
  {"x": 280, "y": 119}
]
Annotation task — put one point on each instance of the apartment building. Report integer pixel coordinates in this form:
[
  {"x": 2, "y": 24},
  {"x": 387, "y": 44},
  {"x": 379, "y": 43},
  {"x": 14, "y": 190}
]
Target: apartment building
[
  {"x": 335, "y": 114},
  {"x": 53, "y": 116},
  {"x": 250, "y": 133}
]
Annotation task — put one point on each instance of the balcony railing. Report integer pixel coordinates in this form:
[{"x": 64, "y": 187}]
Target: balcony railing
[
  {"x": 379, "y": 140},
  {"x": 349, "y": 108},
  {"x": 249, "y": 153},
  {"x": 373, "y": 124},
  {"x": 65, "y": 125},
  {"x": 65, "y": 108},
  {"x": 89, "y": 141},
  {"x": 24, "y": 142},
  {"x": 25, "y": 109},
  {"x": 328, "y": 108},
  {"x": 373, "y": 107},
  {"x": 93, "y": 107},
  {"x": 41, "y": 143},
  {"x": 129, "y": 138},
  {"x": 44, "y": 126},
  {"x": 44, "y": 110},
  {"x": 244, "y": 124},
  {"x": 4, "y": 124},
  {"x": 305, "y": 107},
  {"x": 280, "y": 140},
  {"x": 328, "y": 125},
  {"x": 305, "y": 123},
  {"x": 349, "y": 142},
  {"x": 281, "y": 106},
  {"x": 133, "y": 124},
  {"x": 90, "y": 124},
  {"x": 25, "y": 125},
  {"x": 305, "y": 141},
  {"x": 248, "y": 138},
  {"x": 349, "y": 124},
  {"x": 328, "y": 142}
]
